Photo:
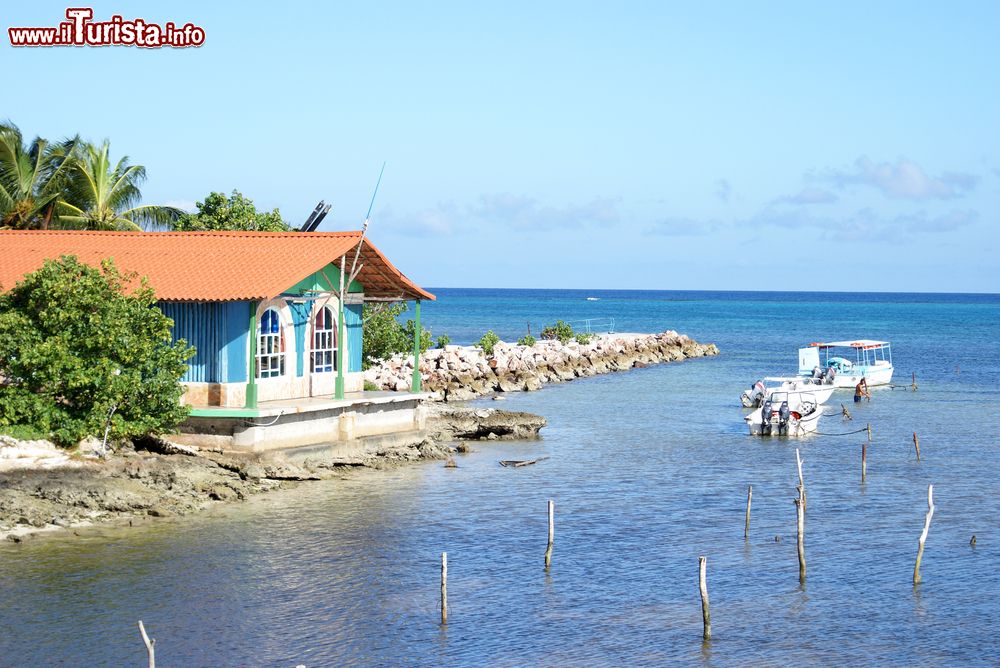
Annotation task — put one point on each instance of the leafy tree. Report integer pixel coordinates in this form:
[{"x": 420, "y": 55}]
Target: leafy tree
[
  {"x": 32, "y": 177},
  {"x": 489, "y": 340},
  {"x": 526, "y": 340},
  {"x": 99, "y": 196},
  {"x": 383, "y": 335},
  {"x": 442, "y": 341},
  {"x": 79, "y": 344},
  {"x": 561, "y": 330},
  {"x": 236, "y": 212}
]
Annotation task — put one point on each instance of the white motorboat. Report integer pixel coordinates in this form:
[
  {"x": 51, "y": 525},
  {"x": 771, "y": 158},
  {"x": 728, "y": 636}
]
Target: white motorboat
[
  {"x": 785, "y": 414},
  {"x": 872, "y": 361},
  {"x": 820, "y": 390}
]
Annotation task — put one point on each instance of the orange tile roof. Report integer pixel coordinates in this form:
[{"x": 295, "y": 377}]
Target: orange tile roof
[{"x": 209, "y": 266}]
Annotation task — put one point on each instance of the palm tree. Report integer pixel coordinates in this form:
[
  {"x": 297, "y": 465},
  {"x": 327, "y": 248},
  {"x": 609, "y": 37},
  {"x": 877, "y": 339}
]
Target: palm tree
[
  {"x": 100, "y": 196},
  {"x": 31, "y": 178}
]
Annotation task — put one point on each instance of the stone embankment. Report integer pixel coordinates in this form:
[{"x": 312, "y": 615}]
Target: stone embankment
[
  {"x": 459, "y": 373},
  {"x": 44, "y": 488}
]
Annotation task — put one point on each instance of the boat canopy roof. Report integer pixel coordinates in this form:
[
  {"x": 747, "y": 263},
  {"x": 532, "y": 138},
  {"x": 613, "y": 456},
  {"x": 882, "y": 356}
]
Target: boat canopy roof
[{"x": 860, "y": 343}]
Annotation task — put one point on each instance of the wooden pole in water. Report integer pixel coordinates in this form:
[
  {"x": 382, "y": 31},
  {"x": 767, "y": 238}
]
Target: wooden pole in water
[
  {"x": 802, "y": 484},
  {"x": 150, "y": 645},
  {"x": 746, "y": 527},
  {"x": 800, "y": 507},
  {"x": 869, "y": 427},
  {"x": 552, "y": 533},
  {"x": 444, "y": 587},
  {"x": 913, "y": 385},
  {"x": 923, "y": 535},
  {"x": 706, "y": 615},
  {"x": 916, "y": 445},
  {"x": 864, "y": 461}
]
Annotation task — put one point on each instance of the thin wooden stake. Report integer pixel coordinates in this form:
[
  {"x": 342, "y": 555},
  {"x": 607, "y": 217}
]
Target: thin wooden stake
[
  {"x": 913, "y": 385},
  {"x": 706, "y": 615},
  {"x": 552, "y": 533},
  {"x": 444, "y": 587},
  {"x": 746, "y": 527},
  {"x": 800, "y": 507},
  {"x": 802, "y": 484},
  {"x": 864, "y": 461},
  {"x": 923, "y": 535},
  {"x": 916, "y": 445},
  {"x": 846, "y": 413},
  {"x": 869, "y": 427},
  {"x": 150, "y": 645}
]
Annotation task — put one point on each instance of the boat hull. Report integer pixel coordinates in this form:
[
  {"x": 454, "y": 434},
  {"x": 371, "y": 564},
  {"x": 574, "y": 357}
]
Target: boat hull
[{"x": 878, "y": 375}]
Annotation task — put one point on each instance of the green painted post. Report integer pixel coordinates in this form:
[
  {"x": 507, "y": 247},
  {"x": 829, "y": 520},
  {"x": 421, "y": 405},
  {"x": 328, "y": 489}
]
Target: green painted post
[
  {"x": 339, "y": 386},
  {"x": 251, "y": 398},
  {"x": 415, "y": 387}
]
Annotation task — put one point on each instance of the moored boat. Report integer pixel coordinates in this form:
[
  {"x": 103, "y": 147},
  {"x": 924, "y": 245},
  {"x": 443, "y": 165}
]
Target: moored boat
[
  {"x": 872, "y": 362},
  {"x": 785, "y": 414},
  {"x": 820, "y": 390}
]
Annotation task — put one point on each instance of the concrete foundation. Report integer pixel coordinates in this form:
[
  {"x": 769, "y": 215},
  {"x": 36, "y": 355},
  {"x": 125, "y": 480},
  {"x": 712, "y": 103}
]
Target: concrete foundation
[{"x": 287, "y": 424}]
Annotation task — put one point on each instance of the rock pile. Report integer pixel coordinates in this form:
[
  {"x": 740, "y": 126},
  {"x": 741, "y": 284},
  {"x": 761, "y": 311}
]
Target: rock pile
[{"x": 459, "y": 373}]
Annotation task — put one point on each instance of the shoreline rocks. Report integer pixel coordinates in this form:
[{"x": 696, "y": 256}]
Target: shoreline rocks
[
  {"x": 45, "y": 489},
  {"x": 460, "y": 373}
]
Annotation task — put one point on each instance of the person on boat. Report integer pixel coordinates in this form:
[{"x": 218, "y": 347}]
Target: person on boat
[{"x": 861, "y": 390}]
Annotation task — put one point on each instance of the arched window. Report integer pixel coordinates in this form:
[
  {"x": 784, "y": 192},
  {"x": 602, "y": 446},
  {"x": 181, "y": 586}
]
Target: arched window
[
  {"x": 324, "y": 350},
  {"x": 270, "y": 345}
]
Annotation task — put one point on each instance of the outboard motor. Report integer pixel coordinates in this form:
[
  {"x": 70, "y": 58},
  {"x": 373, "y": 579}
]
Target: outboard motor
[
  {"x": 829, "y": 375},
  {"x": 784, "y": 414},
  {"x": 753, "y": 396},
  {"x": 817, "y": 372},
  {"x": 765, "y": 417}
]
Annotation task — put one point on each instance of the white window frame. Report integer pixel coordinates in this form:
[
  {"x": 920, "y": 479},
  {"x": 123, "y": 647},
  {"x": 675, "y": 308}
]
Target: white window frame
[
  {"x": 323, "y": 354},
  {"x": 270, "y": 346}
]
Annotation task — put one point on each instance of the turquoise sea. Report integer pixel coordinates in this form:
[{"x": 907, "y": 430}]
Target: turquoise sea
[{"x": 648, "y": 469}]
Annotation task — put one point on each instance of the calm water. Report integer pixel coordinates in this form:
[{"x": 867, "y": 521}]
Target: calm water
[{"x": 648, "y": 469}]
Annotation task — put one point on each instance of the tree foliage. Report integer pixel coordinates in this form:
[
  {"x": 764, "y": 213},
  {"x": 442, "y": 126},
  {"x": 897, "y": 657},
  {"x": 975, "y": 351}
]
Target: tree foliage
[
  {"x": 32, "y": 178},
  {"x": 78, "y": 344},
  {"x": 72, "y": 185},
  {"x": 488, "y": 341},
  {"x": 100, "y": 195},
  {"x": 383, "y": 335},
  {"x": 236, "y": 212},
  {"x": 561, "y": 330}
]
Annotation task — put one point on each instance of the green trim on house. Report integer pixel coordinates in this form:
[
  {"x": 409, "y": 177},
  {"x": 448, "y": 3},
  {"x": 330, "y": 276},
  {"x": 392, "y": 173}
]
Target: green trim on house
[
  {"x": 415, "y": 386},
  {"x": 225, "y": 412},
  {"x": 251, "y": 398}
]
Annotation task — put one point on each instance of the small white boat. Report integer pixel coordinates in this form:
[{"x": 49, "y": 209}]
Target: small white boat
[
  {"x": 785, "y": 414},
  {"x": 762, "y": 389},
  {"x": 593, "y": 299},
  {"x": 872, "y": 361}
]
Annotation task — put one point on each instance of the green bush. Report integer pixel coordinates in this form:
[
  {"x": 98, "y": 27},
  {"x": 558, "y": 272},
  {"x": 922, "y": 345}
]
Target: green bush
[
  {"x": 526, "y": 340},
  {"x": 561, "y": 330},
  {"x": 77, "y": 344},
  {"x": 383, "y": 336},
  {"x": 488, "y": 341},
  {"x": 371, "y": 387},
  {"x": 584, "y": 337},
  {"x": 443, "y": 340}
]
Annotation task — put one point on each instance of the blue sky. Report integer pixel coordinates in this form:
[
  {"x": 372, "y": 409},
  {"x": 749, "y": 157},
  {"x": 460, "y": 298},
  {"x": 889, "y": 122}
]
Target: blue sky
[{"x": 780, "y": 145}]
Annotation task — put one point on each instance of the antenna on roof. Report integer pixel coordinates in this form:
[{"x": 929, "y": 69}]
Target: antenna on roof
[
  {"x": 312, "y": 216},
  {"x": 364, "y": 226},
  {"x": 316, "y": 217}
]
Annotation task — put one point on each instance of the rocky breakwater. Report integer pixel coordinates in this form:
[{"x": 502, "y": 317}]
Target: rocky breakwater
[{"x": 459, "y": 373}]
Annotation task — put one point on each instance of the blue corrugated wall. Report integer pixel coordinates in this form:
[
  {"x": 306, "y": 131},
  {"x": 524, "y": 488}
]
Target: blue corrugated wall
[
  {"x": 218, "y": 332},
  {"x": 352, "y": 320}
]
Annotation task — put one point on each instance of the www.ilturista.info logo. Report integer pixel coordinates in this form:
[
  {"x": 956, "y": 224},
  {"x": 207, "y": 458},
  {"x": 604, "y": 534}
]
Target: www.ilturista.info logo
[{"x": 79, "y": 30}]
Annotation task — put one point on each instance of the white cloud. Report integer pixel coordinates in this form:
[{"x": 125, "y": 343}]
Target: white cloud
[
  {"x": 903, "y": 180},
  {"x": 723, "y": 190},
  {"x": 504, "y": 210},
  {"x": 183, "y": 205},
  {"x": 684, "y": 227}
]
